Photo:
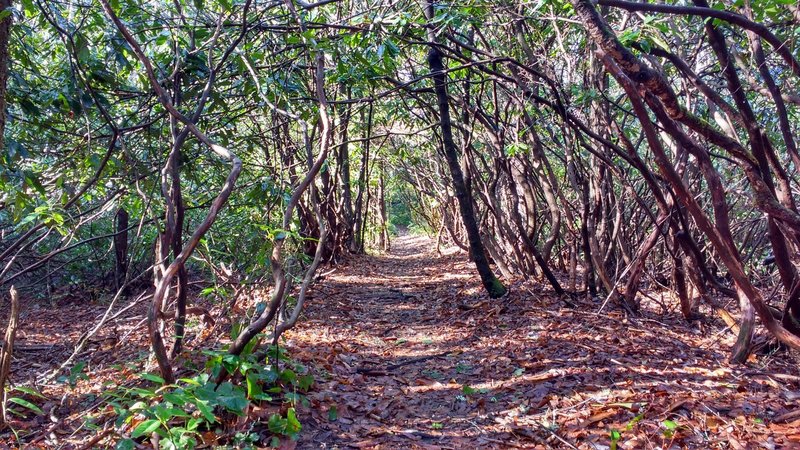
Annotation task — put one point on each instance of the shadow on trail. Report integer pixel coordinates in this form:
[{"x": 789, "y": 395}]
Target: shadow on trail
[{"x": 408, "y": 352}]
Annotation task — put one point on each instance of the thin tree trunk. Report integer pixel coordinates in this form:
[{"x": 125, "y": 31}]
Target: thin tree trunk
[
  {"x": 343, "y": 163},
  {"x": 8, "y": 348},
  {"x": 360, "y": 215},
  {"x": 121, "y": 248},
  {"x": 384, "y": 231},
  {"x": 490, "y": 282},
  {"x": 5, "y": 30},
  {"x": 747, "y": 324}
]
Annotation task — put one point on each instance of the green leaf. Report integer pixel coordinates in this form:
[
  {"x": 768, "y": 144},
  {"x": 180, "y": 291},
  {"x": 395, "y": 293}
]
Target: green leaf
[
  {"x": 194, "y": 423},
  {"x": 333, "y": 413},
  {"x": 138, "y": 406},
  {"x": 145, "y": 428},
  {"x": 615, "y": 437},
  {"x": 29, "y": 391},
  {"x": 177, "y": 399},
  {"x": 141, "y": 392},
  {"x": 32, "y": 180},
  {"x": 288, "y": 375},
  {"x": 277, "y": 424},
  {"x": 164, "y": 414},
  {"x": 76, "y": 373},
  {"x": 253, "y": 388},
  {"x": 24, "y": 403},
  {"x": 28, "y": 7},
  {"x": 670, "y": 425},
  {"x": 629, "y": 36},
  {"x": 207, "y": 292},
  {"x": 151, "y": 377},
  {"x": 162, "y": 38},
  {"x": 205, "y": 410},
  {"x": 305, "y": 382},
  {"x": 232, "y": 398},
  {"x": 634, "y": 421},
  {"x": 125, "y": 444},
  {"x": 293, "y": 425}
]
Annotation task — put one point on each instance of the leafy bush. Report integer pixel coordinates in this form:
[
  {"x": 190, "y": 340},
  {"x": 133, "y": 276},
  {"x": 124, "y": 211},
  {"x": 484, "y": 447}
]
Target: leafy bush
[{"x": 180, "y": 413}]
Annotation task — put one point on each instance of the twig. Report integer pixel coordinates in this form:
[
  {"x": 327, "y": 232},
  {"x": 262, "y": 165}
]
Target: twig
[
  {"x": 788, "y": 417},
  {"x": 780, "y": 376},
  {"x": 560, "y": 439},
  {"x": 91, "y": 442},
  {"x": 382, "y": 372}
]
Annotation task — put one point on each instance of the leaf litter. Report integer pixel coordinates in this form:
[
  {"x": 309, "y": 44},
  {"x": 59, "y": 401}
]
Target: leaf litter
[{"x": 409, "y": 353}]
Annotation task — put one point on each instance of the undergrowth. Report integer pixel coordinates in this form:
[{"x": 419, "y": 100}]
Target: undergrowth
[{"x": 197, "y": 410}]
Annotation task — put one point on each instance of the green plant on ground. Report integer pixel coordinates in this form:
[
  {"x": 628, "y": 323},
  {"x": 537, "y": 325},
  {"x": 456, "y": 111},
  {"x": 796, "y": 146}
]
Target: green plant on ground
[
  {"x": 180, "y": 413},
  {"x": 22, "y": 402}
]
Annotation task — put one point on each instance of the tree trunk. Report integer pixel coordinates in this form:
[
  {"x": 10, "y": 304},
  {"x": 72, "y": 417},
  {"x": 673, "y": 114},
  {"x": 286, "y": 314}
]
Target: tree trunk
[
  {"x": 121, "y": 248},
  {"x": 722, "y": 245},
  {"x": 384, "y": 231},
  {"x": 5, "y": 30},
  {"x": 490, "y": 282},
  {"x": 343, "y": 164},
  {"x": 8, "y": 348},
  {"x": 360, "y": 215}
]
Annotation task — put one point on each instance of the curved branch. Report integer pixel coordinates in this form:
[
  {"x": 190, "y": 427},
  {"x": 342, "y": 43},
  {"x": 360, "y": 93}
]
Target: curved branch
[
  {"x": 781, "y": 47},
  {"x": 216, "y": 206}
]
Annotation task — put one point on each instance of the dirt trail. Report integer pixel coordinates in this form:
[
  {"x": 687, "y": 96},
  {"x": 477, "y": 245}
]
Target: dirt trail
[
  {"x": 409, "y": 353},
  {"x": 377, "y": 330}
]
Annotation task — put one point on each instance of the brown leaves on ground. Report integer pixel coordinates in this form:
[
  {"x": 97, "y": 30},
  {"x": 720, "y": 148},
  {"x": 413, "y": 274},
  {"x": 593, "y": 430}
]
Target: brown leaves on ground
[{"x": 409, "y": 353}]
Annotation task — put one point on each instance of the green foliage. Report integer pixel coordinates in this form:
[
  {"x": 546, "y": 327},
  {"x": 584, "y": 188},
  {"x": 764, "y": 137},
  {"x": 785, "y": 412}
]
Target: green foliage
[
  {"x": 516, "y": 148},
  {"x": 76, "y": 372},
  {"x": 670, "y": 428},
  {"x": 25, "y": 403},
  {"x": 614, "y": 436},
  {"x": 287, "y": 426},
  {"x": 469, "y": 390},
  {"x": 86, "y": 136},
  {"x": 179, "y": 413},
  {"x": 403, "y": 207}
]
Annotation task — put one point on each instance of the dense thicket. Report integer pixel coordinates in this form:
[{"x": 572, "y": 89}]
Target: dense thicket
[{"x": 604, "y": 148}]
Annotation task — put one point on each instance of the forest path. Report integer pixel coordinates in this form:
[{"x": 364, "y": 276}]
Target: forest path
[
  {"x": 394, "y": 333},
  {"x": 408, "y": 352}
]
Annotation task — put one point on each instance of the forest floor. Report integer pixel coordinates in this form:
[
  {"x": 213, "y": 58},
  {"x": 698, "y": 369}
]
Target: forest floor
[{"x": 409, "y": 353}]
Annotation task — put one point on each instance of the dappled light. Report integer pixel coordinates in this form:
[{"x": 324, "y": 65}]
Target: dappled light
[{"x": 400, "y": 359}]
